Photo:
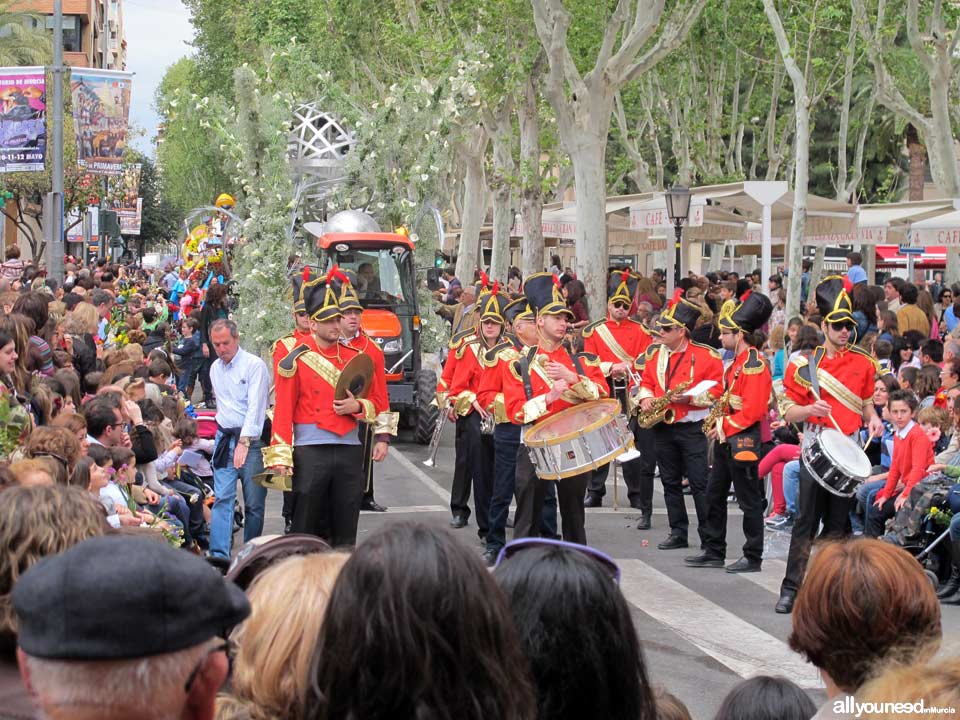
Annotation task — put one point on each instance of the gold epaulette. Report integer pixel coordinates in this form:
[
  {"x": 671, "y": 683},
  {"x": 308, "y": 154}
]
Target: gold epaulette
[
  {"x": 754, "y": 364},
  {"x": 286, "y": 340},
  {"x": 589, "y": 359},
  {"x": 713, "y": 351},
  {"x": 288, "y": 366},
  {"x": 860, "y": 351},
  {"x": 458, "y": 339},
  {"x": 588, "y": 330},
  {"x": 504, "y": 350}
]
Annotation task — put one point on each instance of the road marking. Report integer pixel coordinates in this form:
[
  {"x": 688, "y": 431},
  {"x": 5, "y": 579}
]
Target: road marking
[
  {"x": 770, "y": 577},
  {"x": 401, "y": 509},
  {"x": 742, "y": 647},
  {"x": 420, "y": 475}
]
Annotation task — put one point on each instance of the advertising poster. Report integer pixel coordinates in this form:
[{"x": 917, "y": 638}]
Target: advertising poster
[
  {"x": 23, "y": 111},
  {"x": 101, "y": 108},
  {"x": 127, "y": 201},
  {"x": 130, "y": 221}
]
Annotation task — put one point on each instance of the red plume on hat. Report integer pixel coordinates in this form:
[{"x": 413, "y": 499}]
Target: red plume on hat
[
  {"x": 336, "y": 273},
  {"x": 677, "y": 297},
  {"x": 484, "y": 280},
  {"x": 847, "y": 285},
  {"x": 556, "y": 280},
  {"x": 745, "y": 295},
  {"x": 306, "y": 273},
  {"x": 625, "y": 276},
  {"x": 496, "y": 287}
]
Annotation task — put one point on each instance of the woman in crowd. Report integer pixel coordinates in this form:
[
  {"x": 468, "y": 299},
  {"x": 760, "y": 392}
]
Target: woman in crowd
[
  {"x": 417, "y": 628},
  {"x": 935, "y": 683},
  {"x": 766, "y": 698},
  {"x": 215, "y": 308},
  {"x": 33, "y": 305},
  {"x": 863, "y": 603},
  {"x": 271, "y": 669},
  {"x": 887, "y": 325},
  {"x": 864, "y": 310},
  {"x": 925, "y": 303},
  {"x": 575, "y": 627},
  {"x": 928, "y": 382},
  {"x": 576, "y": 297}
]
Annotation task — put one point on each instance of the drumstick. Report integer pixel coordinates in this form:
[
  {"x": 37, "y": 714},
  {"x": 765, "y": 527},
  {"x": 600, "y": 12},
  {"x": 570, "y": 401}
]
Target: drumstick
[
  {"x": 830, "y": 418},
  {"x": 868, "y": 440}
]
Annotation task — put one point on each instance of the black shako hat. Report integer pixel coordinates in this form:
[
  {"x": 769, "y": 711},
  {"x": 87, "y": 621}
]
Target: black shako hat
[
  {"x": 622, "y": 286},
  {"x": 122, "y": 597},
  {"x": 543, "y": 294},
  {"x": 679, "y": 313},
  {"x": 344, "y": 282},
  {"x": 752, "y": 312},
  {"x": 833, "y": 299},
  {"x": 519, "y": 309},
  {"x": 319, "y": 297}
]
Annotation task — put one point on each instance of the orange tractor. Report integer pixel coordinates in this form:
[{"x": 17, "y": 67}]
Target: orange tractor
[{"x": 387, "y": 287}]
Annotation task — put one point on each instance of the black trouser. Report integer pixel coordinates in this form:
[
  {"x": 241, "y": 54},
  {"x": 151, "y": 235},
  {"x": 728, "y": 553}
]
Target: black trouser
[
  {"x": 205, "y": 383},
  {"x": 289, "y": 504},
  {"x": 746, "y": 484},
  {"x": 814, "y": 504},
  {"x": 483, "y": 483},
  {"x": 531, "y": 493},
  {"x": 506, "y": 438},
  {"x": 189, "y": 492},
  {"x": 682, "y": 451},
  {"x": 328, "y": 483},
  {"x": 876, "y": 519},
  {"x": 466, "y": 465}
]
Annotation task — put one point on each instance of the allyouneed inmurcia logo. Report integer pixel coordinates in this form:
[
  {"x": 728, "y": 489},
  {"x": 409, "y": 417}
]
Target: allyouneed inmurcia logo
[{"x": 848, "y": 705}]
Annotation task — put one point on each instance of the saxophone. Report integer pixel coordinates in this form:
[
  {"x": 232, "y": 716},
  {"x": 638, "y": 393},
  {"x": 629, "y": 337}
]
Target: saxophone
[
  {"x": 717, "y": 410},
  {"x": 660, "y": 410}
]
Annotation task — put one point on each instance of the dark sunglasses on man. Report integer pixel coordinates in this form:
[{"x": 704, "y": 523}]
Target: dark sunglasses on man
[
  {"x": 845, "y": 325},
  {"x": 621, "y": 305},
  {"x": 513, "y": 547}
]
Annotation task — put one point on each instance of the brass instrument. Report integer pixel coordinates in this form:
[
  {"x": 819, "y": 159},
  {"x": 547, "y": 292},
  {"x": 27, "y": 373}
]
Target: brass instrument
[
  {"x": 435, "y": 439},
  {"x": 717, "y": 410},
  {"x": 660, "y": 410}
]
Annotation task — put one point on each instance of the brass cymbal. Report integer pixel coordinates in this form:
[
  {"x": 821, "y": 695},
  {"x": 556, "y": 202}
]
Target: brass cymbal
[{"x": 356, "y": 376}]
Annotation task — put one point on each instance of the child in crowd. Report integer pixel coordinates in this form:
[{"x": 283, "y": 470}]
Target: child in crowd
[
  {"x": 121, "y": 510},
  {"x": 882, "y": 350},
  {"x": 912, "y": 455},
  {"x": 936, "y": 424},
  {"x": 191, "y": 355}
]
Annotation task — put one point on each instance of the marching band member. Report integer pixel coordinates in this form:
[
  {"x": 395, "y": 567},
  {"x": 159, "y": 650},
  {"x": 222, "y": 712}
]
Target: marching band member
[
  {"x": 506, "y": 435},
  {"x": 375, "y": 438},
  {"x": 669, "y": 367},
  {"x": 301, "y": 334},
  {"x": 544, "y": 380},
  {"x": 836, "y": 382},
  {"x": 734, "y": 425},
  {"x": 469, "y": 413},
  {"x": 618, "y": 341},
  {"x": 314, "y": 435}
]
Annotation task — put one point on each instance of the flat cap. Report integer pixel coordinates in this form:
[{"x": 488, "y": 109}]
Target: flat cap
[{"x": 116, "y": 598}]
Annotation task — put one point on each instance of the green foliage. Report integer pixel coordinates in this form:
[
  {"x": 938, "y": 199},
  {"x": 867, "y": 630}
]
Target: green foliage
[{"x": 20, "y": 43}]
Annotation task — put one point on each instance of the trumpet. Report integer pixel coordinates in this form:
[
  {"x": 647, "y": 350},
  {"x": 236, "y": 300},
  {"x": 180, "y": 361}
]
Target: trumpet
[{"x": 435, "y": 439}]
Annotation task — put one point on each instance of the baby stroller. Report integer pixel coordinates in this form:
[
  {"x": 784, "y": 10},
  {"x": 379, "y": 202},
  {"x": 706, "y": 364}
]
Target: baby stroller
[{"x": 921, "y": 527}]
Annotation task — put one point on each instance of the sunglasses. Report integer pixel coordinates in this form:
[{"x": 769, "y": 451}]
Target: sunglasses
[
  {"x": 621, "y": 305},
  {"x": 225, "y": 647},
  {"x": 605, "y": 561},
  {"x": 838, "y": 326}
]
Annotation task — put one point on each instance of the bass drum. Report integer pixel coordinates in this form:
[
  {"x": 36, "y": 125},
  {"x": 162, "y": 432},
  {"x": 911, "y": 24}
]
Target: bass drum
[
  {"x": 581, "y": 438},
  {"x": 836, "y": 462}
]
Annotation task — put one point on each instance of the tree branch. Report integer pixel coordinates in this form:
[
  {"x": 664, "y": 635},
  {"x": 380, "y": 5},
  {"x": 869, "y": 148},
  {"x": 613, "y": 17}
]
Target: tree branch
[
  {"x": 672, "y": 37},
  {"x": 645, "y": 22}
]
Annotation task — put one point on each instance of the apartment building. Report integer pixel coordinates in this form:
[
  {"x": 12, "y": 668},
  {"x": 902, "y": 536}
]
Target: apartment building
[{"x": 92, "y": 31}]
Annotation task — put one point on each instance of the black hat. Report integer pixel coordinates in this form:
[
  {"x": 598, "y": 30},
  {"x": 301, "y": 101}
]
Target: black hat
[
  {"x": 319, "y": 297},
  {"x": 298, "y": 304},
  {"x": 492, "y": 305},
  {"x": 679, "y": 313},
  {"x": 345, "y": 284},
  {"x": 543, "y": 292},
  {"x": 519, "y": 309},
  {"x": 265, "y": 551},
  {"x": 752, "y": 312},
  {"x": 833, "y": 300},
  {"x": 622, "y": 286},
  {"x": 122, "y": 597}
]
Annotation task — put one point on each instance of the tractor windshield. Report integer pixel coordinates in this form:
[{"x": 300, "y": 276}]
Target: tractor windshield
[{"x": 384, "y": 276}]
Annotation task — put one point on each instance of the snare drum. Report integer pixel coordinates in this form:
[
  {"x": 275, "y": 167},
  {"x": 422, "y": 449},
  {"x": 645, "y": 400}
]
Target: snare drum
[
  {"x": 836, "y": 462},
  {"x": 581, "y": 438}
]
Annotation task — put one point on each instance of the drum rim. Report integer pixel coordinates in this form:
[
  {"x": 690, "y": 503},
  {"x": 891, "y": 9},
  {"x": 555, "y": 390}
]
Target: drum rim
[
  {"x": 604, "y": 460},
  {"x": 596, "y": 424},
  {"x": 850, "y": 444}
]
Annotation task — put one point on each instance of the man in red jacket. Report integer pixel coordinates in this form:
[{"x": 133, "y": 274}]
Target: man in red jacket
[
  {"x": 375, "y": 438},
  {"x": 545, "y": 380},
  {"x": 736, "y": 438},
  {"x": 315, "y": 436}
]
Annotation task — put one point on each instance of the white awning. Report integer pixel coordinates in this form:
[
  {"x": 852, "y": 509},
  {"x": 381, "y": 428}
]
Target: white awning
[{"x": 941, "y": 230}]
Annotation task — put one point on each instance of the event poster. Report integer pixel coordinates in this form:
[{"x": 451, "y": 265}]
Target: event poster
[
  {"x": 101, "y": 108},
  {"x": 130, "y": 221},
  {"x": 128, "y": 189},
  {"x": 23, "y": 110}
]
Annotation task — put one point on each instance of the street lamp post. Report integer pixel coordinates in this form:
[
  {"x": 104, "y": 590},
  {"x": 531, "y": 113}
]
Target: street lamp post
[{"x": 678, "y": 210}]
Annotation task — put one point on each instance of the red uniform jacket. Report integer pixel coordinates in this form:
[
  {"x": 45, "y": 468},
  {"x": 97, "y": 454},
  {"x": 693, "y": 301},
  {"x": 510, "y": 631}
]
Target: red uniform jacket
[
  {"x": 305, "y": 389},
  {"x": 495, "y": 362},
  {"x": 283, "y": 346},
  {"x": 465, "y": 386},
  {"x": 751, "y": 387},
  {"x": 386, "y": 422},
  {"x": 450, "y": 366},
  {"x": 664, "y": 370},
  {"x": 912, "y": 456},
  {"x": 846, "y": 382},
  {"x": 592, "y": 385},
  {"x": 615, "y": 342}
]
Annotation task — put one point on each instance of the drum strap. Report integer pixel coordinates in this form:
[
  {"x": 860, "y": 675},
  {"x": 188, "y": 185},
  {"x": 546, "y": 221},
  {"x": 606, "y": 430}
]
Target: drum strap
[{"x": 524, "y": 362}]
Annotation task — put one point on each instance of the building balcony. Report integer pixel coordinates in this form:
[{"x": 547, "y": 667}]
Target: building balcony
[
  {"x": 45, "y": 7},
  {"x": 76, "y": 59}
]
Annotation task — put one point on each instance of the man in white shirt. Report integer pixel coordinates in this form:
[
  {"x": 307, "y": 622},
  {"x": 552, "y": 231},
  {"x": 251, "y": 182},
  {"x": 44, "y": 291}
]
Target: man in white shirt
[{"x": 241, "y": 382}]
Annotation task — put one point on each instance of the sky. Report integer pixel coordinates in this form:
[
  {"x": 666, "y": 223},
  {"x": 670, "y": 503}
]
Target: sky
[{"x": 158, "y": 33}]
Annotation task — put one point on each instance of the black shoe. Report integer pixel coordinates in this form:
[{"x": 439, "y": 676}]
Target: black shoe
[
  {"x": 743, "y": 565},
  {"x": 592, "y": 501},
  {"x": 951, "y": 599},
  {"x": 218, "y": 561},
  {"x": 785, "y": 603},
  {"x": 703, "y": 560},
  {"x": 372, "y": 505},
  {"x": 458, "y": 521},
  {"x": 643, "y": 523},
  {"x": 951, "y": 585},
  {"x": 490, "y": 557},
  {"x": 673, "y": 542}
]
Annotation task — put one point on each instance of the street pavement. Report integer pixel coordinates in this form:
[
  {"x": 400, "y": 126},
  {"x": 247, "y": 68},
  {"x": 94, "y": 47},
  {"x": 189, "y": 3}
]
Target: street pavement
[{"x": 702, "y": 630}]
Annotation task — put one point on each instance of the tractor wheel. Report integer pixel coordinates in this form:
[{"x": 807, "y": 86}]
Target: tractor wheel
[{"x": 426, "y": 414}]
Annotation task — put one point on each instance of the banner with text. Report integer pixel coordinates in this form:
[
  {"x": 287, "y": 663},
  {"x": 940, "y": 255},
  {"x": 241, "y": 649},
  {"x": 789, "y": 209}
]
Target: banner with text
[
  {"x": 101, "y": 108},
  {"x": 23, "y": 119},
  {"x": 127, "y": 200},
  {"x": 130, "y": 221}
]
